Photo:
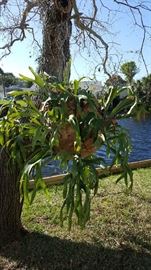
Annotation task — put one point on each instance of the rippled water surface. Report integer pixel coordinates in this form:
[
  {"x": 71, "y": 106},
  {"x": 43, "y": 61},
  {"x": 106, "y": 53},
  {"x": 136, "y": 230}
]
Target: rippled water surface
[{"x": 140, "y": 134}]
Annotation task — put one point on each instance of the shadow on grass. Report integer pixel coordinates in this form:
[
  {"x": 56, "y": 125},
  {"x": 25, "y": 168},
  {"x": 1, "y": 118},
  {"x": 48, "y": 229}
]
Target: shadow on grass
[
  {"x": 39, "y": 251},
  {"x": 143, "y": 243}
]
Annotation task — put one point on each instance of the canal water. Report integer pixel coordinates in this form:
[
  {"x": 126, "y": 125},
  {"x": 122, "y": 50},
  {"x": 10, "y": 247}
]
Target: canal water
[{"x": 140, "y": 134}]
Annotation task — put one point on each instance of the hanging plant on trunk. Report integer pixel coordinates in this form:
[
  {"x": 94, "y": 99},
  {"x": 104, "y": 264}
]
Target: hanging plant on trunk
[{"x": 65, "y": 122}]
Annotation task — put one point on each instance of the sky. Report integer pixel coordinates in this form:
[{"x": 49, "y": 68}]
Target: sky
[{"x": 24, "y": 53}]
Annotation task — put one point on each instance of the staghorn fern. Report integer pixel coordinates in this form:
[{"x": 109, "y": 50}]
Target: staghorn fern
[{"x": 35, "y": 134}]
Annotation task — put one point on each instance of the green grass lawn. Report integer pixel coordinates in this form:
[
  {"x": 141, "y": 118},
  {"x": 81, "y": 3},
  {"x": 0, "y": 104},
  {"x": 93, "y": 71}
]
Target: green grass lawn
[{"x": 118, "y": 236}]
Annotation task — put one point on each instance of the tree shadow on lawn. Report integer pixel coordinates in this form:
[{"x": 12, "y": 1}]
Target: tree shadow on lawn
[{"x": 40, "y": 251}]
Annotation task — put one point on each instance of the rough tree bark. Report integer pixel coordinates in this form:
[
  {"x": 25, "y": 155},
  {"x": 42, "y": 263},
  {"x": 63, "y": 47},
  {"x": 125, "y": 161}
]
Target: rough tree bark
[
  {"x": 56, "y": 38},
  {"x": 56, "y": 54},
  {"x": 10, "y": 203}
]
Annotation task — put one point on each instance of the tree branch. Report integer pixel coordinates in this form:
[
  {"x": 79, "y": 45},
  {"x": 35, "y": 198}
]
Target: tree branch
[
  {"x": 90, "y": 31},
  {"x": 138, "y": 8},
  {"x": 3, "y": 2},
  {"x": 20, "y": 26}
]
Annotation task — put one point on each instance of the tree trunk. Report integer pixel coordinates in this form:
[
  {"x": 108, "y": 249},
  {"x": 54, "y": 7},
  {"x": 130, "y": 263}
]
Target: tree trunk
[
  {"x": 10, "y": 204},
  {"x": 56, "y": 38}
]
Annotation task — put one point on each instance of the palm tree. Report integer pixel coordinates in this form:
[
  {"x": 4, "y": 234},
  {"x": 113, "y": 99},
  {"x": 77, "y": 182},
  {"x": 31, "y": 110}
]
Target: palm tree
[{"x": 129, "y": 69}]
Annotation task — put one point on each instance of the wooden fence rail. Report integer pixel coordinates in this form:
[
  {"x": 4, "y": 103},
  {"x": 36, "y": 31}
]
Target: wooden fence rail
[{"x": 58, "y": 179}]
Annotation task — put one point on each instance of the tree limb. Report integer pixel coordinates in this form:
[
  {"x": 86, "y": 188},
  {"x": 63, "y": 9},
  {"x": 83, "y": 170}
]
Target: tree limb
[
  {"x": 84, "y": 27},
  {"x": 20, "y": 26},
  {"x": 138, "y": 8},
  {"x": 3, "y": 2}
]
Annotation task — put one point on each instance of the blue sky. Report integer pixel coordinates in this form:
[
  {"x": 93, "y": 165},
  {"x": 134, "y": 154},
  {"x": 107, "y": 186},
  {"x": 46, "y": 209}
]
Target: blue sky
[{"x": 126, "y": 36}]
